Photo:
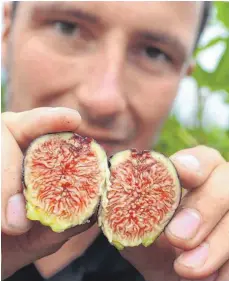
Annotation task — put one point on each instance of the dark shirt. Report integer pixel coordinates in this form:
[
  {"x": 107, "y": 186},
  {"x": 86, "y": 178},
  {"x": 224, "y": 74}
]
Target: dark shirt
[{"x": 100, "y": 262}]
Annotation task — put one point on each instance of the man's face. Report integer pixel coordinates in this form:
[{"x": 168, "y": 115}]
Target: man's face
[{"x": 118, "y": 63}]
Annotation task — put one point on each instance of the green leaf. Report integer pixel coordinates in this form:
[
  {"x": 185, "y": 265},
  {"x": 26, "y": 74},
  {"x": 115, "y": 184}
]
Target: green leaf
[
  {"x": 211, "y": 43},
  {"x": 222, "y": 71},
  {"x": 217, "y": 80},
  {"x": 222, "y": 12},
  {"x": 175, "y": 137}
]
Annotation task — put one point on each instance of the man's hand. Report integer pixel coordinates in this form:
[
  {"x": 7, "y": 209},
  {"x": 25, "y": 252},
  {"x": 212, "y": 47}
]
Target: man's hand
[
  {"x": 197, "y": 238},
  {"x": 23, "y": 241}
]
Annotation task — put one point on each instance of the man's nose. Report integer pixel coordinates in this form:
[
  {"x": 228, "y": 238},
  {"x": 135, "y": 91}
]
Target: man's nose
[{"x": 101, "y": 95}]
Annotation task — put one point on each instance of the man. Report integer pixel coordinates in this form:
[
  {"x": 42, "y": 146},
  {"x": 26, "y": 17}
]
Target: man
[{"x": 118, "y": 65}]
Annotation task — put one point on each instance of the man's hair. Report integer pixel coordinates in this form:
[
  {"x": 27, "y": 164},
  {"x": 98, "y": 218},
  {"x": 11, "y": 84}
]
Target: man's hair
[{"x": 204, "y": 20}]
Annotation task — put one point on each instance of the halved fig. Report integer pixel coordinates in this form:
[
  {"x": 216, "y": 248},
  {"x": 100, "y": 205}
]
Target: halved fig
[
  {"x": 140, "y": 199},
  {"x": 63, "y": 176}
]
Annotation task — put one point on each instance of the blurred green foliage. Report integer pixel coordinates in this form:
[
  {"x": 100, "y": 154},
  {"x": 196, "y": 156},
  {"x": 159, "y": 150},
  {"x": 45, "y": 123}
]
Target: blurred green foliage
[
  {"x": 219, "y": 78},
  {"x": 223, "y": 12},
  {"x": 174, "y": 136}
]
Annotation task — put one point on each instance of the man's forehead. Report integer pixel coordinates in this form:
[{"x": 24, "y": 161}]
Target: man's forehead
[{"x": 183, "y": 9}]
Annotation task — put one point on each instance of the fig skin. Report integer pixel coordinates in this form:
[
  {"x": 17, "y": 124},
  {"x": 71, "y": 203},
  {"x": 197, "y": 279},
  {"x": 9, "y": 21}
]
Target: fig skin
[
  {"x": 117, "y": 238},
  {"x": 37, "y": 210}
]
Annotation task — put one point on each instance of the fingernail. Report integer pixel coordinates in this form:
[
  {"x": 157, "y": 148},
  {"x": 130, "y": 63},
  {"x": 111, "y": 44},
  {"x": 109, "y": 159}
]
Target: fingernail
[
  {"x": 195, "y": 258},
  {"x": 16, "y": 213},
  {"x": 187, "y": 160},
  {"x": 213, "y": 277},
  {"x": 185, "y": 224},
  {"x": 62, "y": 109}
]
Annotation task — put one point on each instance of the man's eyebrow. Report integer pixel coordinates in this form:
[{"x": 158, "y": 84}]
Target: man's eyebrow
[
  {"x": 60, "y": 7},
  {"x": 166, "y": 39}
]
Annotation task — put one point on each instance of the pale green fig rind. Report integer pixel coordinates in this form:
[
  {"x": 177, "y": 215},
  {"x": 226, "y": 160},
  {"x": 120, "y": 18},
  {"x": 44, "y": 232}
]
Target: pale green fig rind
[
  {"x": 118, "y": 245},
  {"x": 148, "y": 242},
  {"x": 145, "y": 242}
]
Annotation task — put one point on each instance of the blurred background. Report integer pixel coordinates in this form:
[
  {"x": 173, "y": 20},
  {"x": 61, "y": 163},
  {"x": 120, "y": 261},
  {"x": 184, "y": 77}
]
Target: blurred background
[{"x": 201, "y": 111}]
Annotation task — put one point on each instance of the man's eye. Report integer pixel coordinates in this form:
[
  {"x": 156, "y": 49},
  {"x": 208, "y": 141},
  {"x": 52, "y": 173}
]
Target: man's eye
[
  {"x": 155, "y": 53},
  {"x": 66, "y": 28}
]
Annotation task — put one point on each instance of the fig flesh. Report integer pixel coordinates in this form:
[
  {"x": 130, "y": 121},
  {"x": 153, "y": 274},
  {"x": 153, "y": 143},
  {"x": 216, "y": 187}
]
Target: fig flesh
[
  {"x": 140, "y": 198},
  {"x": 63, "y": 175}
]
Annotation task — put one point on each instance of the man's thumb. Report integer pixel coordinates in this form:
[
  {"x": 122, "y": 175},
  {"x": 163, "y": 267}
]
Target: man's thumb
[{"x": 16, "y": 214}]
